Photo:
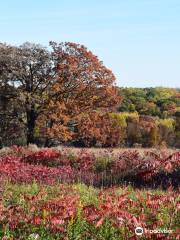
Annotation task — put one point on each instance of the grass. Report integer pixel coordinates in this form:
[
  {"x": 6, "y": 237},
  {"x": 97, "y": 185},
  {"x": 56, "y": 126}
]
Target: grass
[{"x": 25, "y": 197}]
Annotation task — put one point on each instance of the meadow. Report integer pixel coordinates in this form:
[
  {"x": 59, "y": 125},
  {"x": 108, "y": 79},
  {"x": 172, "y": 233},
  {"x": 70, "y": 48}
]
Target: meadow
[{"x": 67, "y": 193}]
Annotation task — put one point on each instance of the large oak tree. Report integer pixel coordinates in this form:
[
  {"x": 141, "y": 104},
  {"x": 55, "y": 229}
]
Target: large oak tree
[
  {"x": 82, "y": 84},
  {"x": 52, "y": 88}
]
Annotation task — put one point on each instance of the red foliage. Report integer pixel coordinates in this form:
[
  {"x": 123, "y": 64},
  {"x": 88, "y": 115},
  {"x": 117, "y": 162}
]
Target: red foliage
[
  {"x": 45, "y": 157},
  {"x": 49, "y": 166},
  {"x": 119, "y": 209},
  {"x": 17, "y": 171}
]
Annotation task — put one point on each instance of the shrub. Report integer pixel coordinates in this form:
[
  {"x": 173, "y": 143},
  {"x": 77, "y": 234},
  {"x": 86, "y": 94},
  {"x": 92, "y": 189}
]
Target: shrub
[{"x": 47, "y": 157}]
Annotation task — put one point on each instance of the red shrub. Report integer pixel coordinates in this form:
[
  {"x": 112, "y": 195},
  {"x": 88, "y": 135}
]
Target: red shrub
[{"x": 46, "y": 157}]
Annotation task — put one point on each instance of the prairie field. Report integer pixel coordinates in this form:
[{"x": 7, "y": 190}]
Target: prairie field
[{"x": 68, "y": 193}]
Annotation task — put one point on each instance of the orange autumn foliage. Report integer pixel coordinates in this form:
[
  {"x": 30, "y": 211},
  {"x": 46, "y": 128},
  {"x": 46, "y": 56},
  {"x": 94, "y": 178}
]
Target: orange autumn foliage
[
  {"x": 81, "y": 84},
  {"x": 99, "y": 129}
]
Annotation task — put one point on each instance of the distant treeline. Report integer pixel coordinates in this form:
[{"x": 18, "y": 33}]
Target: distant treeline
[
  {"x": 149, "y": 117},
  {"x": 161, "y": 102}
]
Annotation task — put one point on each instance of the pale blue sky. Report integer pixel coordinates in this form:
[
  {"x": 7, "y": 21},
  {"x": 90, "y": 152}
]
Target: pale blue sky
[{"x": 138, "y": 39}]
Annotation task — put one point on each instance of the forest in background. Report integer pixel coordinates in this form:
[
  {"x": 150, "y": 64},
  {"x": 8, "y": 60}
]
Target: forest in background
[{"x": 152, "y": 115}]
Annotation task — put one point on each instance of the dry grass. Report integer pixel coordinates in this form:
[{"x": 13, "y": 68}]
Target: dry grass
[{"x": 115, "y": 151}]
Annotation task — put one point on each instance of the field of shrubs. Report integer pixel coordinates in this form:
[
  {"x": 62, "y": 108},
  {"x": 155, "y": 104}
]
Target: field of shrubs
[{"x": 62, "y": 193}]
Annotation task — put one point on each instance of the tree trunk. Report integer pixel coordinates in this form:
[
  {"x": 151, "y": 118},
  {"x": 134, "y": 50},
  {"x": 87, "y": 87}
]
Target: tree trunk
[
  {"x": 1, "y": 143},
  {"x": 31, "y": 119},
  {"x": 47, "y": 142}
]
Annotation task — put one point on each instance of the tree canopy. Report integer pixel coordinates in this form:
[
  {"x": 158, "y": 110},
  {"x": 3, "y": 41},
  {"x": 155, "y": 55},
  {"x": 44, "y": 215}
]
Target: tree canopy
[{"x": 50, "y": 88}]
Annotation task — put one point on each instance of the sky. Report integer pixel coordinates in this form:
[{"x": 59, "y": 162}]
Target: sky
[{"x": 139, "y": 40}]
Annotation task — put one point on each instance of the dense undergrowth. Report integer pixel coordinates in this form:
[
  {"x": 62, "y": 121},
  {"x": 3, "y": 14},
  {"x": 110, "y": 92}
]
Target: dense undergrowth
[
  {"x": 48, "y": 166},
  {"x": 66, "y": 194},
  {"x": 81, "y": 212}
]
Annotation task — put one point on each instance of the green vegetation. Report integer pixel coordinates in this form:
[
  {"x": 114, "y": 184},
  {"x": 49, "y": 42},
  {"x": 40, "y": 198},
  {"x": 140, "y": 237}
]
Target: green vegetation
[
  {"x": 89, "y": 214},
  {"x": 161, "y": 102}
]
